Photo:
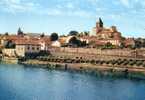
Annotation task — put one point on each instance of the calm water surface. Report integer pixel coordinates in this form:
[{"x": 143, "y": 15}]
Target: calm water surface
[{"x": 20, "y": 83}]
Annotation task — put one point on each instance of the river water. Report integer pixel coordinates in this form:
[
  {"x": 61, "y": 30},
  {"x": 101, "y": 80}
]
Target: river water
[{"x": 26, "y": 83}]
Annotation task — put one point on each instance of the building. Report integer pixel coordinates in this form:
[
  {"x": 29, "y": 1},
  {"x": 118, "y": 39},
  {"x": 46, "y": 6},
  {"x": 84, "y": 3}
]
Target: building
[
  {"x": 102, "y": 35},
  {"x": 129, "y": 42},
  {"x": 55, "y": 44},
  {"x": 93, "y": 32},
  {"x": 9, "y": 52},
  {"x": 27, "y": 48},
  {"x": 45, "y": 43},
  {"x": 24, "y": 46},
  {"x": 106, "y": 33}
]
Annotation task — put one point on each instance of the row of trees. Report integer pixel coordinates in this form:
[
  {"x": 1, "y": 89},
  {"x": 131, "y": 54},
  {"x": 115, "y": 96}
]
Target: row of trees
[{"x": 114, "y": 62}]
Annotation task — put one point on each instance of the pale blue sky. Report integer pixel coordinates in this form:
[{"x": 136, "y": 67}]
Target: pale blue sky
[{"x": 64, "y": 15}]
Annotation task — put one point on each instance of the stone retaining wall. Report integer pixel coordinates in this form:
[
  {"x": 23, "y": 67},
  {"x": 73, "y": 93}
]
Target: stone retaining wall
[{"x": 93, "y": 53}]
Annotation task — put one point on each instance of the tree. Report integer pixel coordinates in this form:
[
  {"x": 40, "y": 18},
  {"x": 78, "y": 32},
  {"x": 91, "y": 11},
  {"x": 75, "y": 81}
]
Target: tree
[
  {"x": 143, "y": 44},
  {"x": 108, "y": 45},
  {"x": 73, "y": 33},
  {"x": 74, "y": 42},
  {"x": 122, "y": 45},
  {"x": 138, "y": 43},
  {"x": 86, "y": 33},
  {"x": 6, "y": 34},
  {"x": 9, "y": 44},
  {"x": 81, "y": 34},
  {"x": 20, "y": 32},
  {"x": 42, "y": 35},
  {"x": 54, "y": 37}
]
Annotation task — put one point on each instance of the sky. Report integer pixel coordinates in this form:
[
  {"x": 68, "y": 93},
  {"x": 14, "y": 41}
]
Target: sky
[{"x": 62, "y": 16}]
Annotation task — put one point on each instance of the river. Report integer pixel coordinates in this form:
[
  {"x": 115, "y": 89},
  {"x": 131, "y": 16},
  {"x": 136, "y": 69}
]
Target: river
[{"x": 27, "y": 83}]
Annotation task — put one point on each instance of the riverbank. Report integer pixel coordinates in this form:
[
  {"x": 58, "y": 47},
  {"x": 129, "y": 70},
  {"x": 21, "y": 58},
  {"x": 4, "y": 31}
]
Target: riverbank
[{"x": 103, "y": 70}]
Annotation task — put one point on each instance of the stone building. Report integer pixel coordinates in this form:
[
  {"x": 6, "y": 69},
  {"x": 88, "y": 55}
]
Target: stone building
[
  {"x": 22, "y": 48},
  {"x": 129, "y": 42},
  {"x": 27, "y": 47},
  {"x": 101, "y": 35},
  {"x": 106, "y": 33}
]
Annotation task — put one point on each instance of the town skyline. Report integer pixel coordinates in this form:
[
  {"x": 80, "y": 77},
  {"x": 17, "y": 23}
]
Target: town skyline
[{"x": 62, "y": 16}]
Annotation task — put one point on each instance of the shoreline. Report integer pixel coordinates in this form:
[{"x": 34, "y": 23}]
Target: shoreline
[{"x": 102, "y": 70}]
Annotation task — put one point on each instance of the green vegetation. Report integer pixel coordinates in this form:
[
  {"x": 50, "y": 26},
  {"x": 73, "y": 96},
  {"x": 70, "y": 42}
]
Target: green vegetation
[
  {"x": 73, "y": 33},
  {"x": 114, "y": 62},
  {"x": 6, "y": 34},
  {"x": 75, "y": 42},
  {"x": 122, "y": 45},
  {"x": 42, "y": 35},
  {"x": 108, "y": 46},
  {"x": 9, "y": 44},
  {"x": 54, "y": 37}
]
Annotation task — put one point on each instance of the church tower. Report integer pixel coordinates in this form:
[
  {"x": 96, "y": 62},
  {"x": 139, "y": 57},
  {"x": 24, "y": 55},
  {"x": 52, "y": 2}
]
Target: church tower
[{"x": 99, "y": 25}]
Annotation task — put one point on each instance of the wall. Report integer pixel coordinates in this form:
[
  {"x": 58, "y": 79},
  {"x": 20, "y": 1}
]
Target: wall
[
  {"x": 93, "y": 53},
  {"x": 9, "y": 52},
  {"x": 21, "y": 50}
]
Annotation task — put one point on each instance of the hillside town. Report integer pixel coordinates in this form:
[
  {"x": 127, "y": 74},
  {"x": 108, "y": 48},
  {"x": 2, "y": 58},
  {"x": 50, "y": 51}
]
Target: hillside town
[{"x": 99, "y": 38}]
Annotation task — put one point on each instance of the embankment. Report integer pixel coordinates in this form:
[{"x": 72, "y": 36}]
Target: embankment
[{"x": 100, "y": 70}]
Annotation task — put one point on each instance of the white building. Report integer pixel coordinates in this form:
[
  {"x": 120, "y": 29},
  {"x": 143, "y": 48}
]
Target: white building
[
  {"x": 27, "y": 47},
  {"x": 93, "y": 32},
  {"x": 56, "y": 44}
]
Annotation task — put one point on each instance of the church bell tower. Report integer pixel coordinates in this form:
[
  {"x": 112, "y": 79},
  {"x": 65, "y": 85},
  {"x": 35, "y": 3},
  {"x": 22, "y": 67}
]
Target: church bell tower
[{"x": 99, "y": 25}]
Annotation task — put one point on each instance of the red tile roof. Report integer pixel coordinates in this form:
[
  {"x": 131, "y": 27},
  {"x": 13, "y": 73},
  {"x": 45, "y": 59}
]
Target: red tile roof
[{"x": 19, "y": 40}]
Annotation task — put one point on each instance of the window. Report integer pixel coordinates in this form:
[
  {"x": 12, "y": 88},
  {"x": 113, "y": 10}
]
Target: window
[
  {"x": 33, "y": 48},
  {"x": 37, "y": 48},
  {"x": 28, "y": 48}
]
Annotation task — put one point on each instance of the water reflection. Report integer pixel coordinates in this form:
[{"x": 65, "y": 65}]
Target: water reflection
[{"x": 22, "y": 83}]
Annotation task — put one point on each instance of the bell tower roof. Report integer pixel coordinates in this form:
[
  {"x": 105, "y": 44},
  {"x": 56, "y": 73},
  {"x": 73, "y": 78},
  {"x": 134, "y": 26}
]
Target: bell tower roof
[{"x": 100, "y": 22}]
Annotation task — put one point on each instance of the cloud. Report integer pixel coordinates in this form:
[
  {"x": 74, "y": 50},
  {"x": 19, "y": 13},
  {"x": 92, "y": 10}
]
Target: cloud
[
  {"x": 70, "y": 5},
  {"x": 14, "y": 6},
  {"x": 125, "y": 3},
  {"x": 80, "y": 8},
  {"x": 19, "y": 6}
]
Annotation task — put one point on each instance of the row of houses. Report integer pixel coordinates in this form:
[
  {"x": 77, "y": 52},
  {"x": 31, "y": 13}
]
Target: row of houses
[
  {"x": 24, "y": 45},
  {"x": 28, "y": 44}
]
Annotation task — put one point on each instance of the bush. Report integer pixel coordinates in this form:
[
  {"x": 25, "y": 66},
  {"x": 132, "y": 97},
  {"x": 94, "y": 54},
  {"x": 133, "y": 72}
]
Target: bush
[
  {"x": 9, "y": 44},
  {"x": 113, "y": 62},
  {"x": 54, "y": 37},
  {"x": 92, "y": 61},
  {"x": 131, "y": 63},
  {"x": 107, "y": 62},
  {"x": 139, "y": 63}
]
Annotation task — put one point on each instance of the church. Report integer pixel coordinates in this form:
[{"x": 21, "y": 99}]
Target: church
[
  {"x": 105, "y": 35},
  {"x": 102, "y": 32}
]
